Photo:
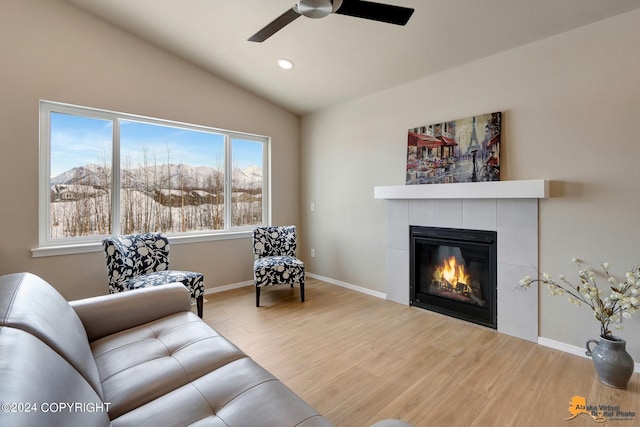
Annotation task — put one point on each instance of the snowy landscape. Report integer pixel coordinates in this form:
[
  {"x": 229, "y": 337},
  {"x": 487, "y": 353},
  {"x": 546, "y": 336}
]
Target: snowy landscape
[{"x": 172, "y": 198}]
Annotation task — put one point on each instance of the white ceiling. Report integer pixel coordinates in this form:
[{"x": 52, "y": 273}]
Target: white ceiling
[{"x": 341, "y": 57}]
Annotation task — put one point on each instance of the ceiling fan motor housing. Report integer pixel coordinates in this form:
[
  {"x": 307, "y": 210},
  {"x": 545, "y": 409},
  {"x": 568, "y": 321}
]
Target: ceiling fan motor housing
[{"x": 318, "y": 8}]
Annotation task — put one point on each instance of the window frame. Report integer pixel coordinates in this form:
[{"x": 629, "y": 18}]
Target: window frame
[{"x": 70, "y": 245}]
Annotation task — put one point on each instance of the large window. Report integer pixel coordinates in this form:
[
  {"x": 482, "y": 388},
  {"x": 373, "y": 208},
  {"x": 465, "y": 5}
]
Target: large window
[{"x": 108, "y": 173}]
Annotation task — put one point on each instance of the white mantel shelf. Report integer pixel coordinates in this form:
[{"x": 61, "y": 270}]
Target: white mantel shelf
[{"x": 528, "y": 189}]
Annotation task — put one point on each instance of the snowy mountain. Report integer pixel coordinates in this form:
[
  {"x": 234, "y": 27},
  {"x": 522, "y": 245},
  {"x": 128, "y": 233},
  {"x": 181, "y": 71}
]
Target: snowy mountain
[
  {"x": 249, "y": 177},
  {"x": 83, "y": 175},
  {"x": 161, "y": 176}
]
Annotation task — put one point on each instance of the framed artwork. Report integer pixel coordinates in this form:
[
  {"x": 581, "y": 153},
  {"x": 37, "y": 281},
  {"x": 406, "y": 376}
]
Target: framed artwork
[{"x": 464, "y": 150}]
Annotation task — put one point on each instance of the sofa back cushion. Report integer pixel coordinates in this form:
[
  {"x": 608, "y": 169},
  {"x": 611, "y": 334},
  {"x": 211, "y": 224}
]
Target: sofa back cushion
[
  {"x": 39, "y": 387},
  {"x": 30, "y": 304}
]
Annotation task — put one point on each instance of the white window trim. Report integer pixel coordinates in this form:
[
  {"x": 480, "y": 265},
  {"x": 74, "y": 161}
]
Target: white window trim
[{"x": 52, "y": 247}]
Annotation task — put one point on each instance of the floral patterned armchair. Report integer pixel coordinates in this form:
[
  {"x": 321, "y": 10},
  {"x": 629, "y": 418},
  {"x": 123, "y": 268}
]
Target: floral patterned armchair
[
  {"x": 141, "y": 260},
  {"x": 276, "y": 262}
]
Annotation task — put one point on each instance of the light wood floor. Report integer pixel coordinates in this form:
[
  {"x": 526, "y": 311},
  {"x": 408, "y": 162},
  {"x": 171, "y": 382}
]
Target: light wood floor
[{"x": 358, "y": 359}]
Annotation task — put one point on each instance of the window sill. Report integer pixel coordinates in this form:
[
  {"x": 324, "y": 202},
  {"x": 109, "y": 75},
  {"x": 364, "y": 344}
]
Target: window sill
[{"x": 81, "y": 248}]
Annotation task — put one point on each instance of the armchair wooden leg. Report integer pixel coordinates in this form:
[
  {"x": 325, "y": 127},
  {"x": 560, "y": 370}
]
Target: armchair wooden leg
[
  {"x": 257, "y": 296},
  {"x": 302, "y": 291},
  {"x": 199, "y": 305}
]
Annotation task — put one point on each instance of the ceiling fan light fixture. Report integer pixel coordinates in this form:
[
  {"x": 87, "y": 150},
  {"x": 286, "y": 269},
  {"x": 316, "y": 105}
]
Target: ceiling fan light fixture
[
  {"x": 315, "y": 8},
  {"x": 284, "y": 63}
]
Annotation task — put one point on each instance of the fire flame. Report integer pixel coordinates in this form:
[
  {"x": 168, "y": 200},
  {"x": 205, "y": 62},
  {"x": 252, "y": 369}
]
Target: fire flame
[{"x": 452, "y": 273}]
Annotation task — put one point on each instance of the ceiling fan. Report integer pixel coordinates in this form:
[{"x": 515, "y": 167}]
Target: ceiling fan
[{"x": 320, "y": 8}]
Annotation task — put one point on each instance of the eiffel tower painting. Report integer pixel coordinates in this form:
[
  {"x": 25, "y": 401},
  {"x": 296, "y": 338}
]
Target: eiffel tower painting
[
  {"x": 463, "y": 150},
  {"x": 473, "y": 144}
]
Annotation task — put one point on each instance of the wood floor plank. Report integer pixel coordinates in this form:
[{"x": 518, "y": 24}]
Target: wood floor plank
[
  {"x": 330, "y": 393},
  {"x": 425, "y": 394},
  {"x": 358, "y": 359},
  {"x": 504, "y": 357},
  {"x": 458, "y": 406},
  {"x": 519, "y": 389},
  {"x": 356, "y": 409}
]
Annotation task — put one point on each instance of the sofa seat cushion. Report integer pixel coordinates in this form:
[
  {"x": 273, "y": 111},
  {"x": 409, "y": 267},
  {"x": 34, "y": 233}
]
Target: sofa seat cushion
[
  {"x": 42, "y": 382},
  {"x": 143, "y": 363},
  {"x": 237, "y": 394}
]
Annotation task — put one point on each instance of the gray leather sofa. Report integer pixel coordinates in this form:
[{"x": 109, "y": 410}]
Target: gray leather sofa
[{"x": 138, "y": 358}]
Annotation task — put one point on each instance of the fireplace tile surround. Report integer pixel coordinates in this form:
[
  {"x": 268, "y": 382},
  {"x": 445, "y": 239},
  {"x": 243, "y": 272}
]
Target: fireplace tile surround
[{"x": 512, "y": 214}]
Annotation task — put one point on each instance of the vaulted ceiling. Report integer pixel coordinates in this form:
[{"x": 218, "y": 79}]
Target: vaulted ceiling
[{"x": 340, "y": 57}]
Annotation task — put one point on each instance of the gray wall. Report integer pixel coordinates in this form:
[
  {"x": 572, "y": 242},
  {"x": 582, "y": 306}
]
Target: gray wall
[
  {"x": 571, "y": 109},
  {"x": 53, "y": 50}
]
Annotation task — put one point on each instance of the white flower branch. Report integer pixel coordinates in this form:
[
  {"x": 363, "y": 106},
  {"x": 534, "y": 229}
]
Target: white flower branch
[{"x": 623, "y": 301}]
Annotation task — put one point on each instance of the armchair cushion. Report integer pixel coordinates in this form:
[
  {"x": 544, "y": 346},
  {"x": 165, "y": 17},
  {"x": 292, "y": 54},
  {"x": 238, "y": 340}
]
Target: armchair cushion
[
  {"x": 192, "y": 280},
  {"x": 277, "y": 270}
]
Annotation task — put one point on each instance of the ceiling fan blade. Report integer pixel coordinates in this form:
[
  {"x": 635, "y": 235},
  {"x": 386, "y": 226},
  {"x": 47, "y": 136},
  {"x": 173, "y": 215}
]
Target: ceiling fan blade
[
  {"x": 376, "y": 11},
  {"x": 275, "y": 25}
]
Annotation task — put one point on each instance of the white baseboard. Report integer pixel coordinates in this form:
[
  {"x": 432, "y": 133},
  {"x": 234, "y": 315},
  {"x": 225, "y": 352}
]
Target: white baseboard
[
  {"x": 314, "y": 276},
  {"x": 572, "y": 349},
  {"x": 348, "y": 286},
  {"x": 223, "y": 288}
]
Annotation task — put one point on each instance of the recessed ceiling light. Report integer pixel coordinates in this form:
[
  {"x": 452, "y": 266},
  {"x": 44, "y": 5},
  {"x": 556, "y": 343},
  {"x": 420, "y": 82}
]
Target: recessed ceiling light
[{"x": 285, "y": 64}]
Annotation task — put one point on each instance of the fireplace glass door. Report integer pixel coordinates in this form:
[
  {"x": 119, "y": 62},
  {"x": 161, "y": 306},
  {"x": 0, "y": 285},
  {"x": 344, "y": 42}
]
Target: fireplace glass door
[{"x": 453, "y": 272}]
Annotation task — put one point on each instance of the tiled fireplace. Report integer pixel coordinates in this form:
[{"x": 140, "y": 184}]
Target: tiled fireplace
[{"x": 508, "y": 208}]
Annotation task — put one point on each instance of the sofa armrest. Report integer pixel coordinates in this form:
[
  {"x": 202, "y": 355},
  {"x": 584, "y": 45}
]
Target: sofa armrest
[{"x": 107, "y": 314}]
